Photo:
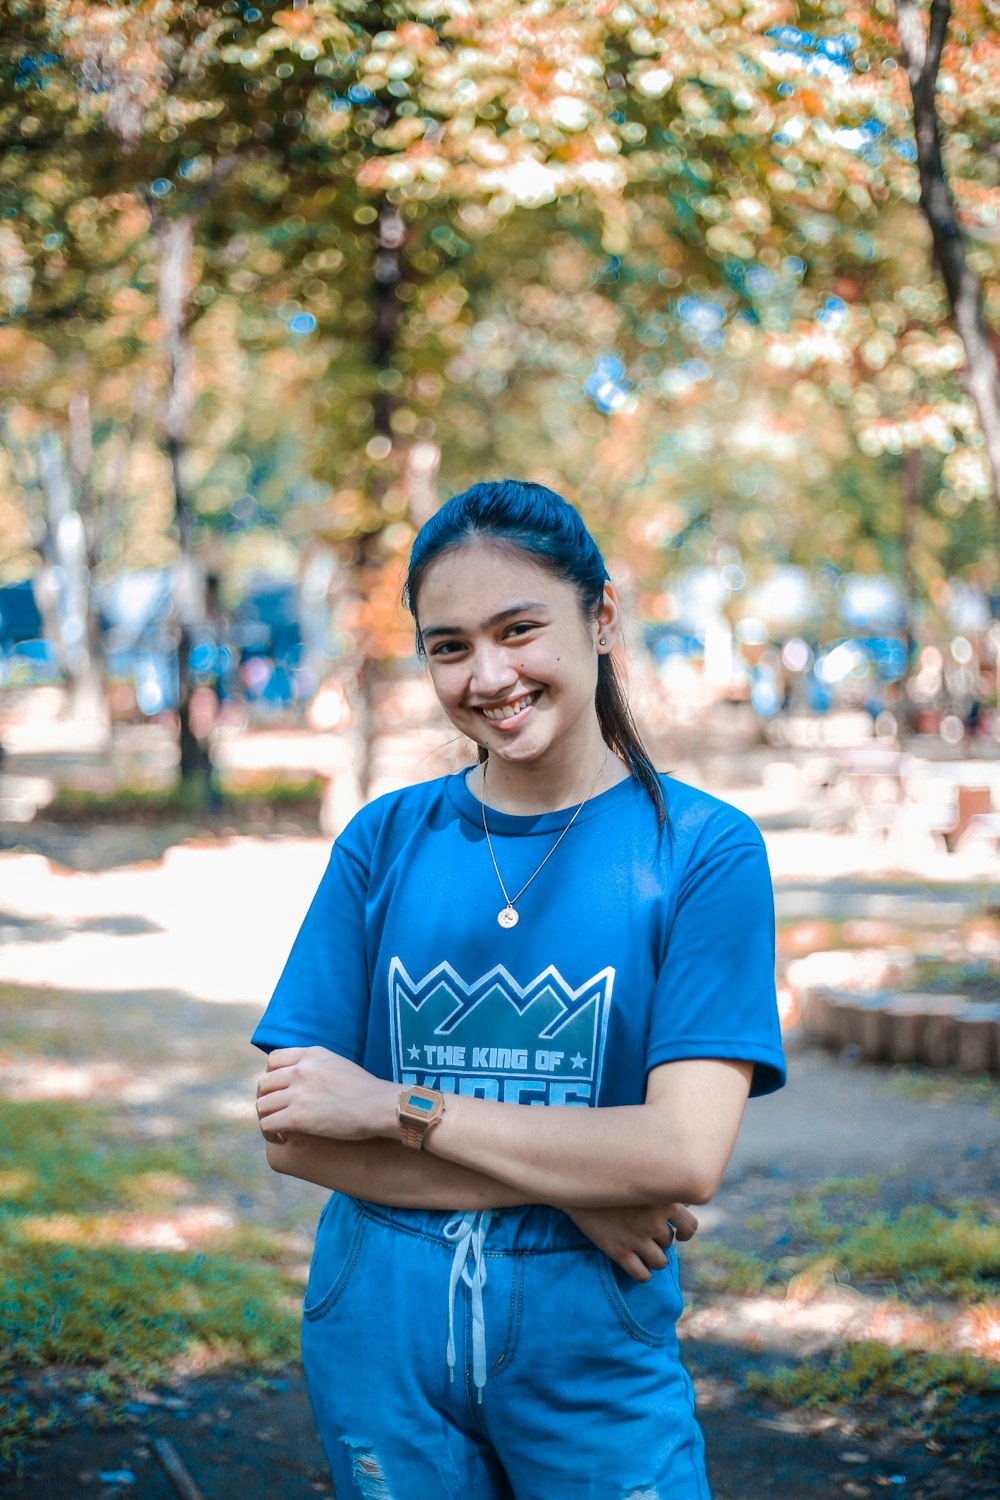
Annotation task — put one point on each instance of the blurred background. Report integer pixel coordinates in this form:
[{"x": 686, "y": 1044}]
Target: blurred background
[{"x": 276, "y": 281}]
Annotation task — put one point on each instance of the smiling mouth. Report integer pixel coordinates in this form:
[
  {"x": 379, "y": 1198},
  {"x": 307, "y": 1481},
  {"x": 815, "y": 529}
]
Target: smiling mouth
[{"x": 508, "y": 710}]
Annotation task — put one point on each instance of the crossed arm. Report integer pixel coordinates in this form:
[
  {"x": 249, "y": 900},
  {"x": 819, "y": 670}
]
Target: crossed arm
[{"x": 620, "y": 1173}]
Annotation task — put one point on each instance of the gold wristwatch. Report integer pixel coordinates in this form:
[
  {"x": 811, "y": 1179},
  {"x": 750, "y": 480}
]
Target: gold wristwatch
[{"x": 417, "y": 1111}]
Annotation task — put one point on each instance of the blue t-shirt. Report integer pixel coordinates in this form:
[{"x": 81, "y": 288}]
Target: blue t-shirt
[{"x": 633, "y": 948}]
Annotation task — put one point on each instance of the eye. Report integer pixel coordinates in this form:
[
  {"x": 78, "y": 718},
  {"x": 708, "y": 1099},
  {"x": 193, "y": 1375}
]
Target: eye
[
  {"x": 447, "y": 648},
  {"x": 523, "y": 627}
]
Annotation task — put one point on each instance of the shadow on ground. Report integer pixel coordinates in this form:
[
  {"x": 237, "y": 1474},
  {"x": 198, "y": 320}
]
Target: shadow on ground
[{"x": 246, "y": 1439}]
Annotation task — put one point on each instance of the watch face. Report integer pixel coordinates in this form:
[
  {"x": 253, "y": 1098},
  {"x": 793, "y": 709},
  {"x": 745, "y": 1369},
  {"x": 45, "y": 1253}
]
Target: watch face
[{"x": 420, "y": 1108}]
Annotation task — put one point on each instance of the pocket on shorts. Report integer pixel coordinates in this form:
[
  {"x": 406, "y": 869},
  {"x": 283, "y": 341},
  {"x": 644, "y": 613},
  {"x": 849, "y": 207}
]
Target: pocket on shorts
[
  {"x": 339, "y": 1237},
  {"x": 647, "y": 1310}
]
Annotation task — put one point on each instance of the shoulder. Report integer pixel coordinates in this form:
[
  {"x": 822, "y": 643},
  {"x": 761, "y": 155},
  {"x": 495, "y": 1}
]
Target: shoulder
[
  {"x": 702, "y": 826},
  {"x": 392, "y": 817}
]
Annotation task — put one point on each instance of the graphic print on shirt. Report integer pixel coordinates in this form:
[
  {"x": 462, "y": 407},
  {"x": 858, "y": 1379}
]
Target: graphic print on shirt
[{"x": 538, "y": 1043}]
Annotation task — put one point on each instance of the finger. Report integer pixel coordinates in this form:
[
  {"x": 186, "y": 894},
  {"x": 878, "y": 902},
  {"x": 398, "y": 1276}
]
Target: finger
[
  {"x": 681, "y": 1220},
  {"x": 664, "y": 1236},
  {"x": 283, "y": 1057},
  {"x": 653, "y": 1256},
  {"x": 633, "y": 1266},
  {"x": 273, "y": 1137},
  {"x": 268, "y": 1082},
  {"x": 270, "y": 1104}
]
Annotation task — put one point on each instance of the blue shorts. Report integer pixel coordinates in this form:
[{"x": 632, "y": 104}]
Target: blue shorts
[{"x": 497, "y": 1356}]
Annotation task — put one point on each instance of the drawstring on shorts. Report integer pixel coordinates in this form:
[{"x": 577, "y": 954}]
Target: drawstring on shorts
[{"x": 468, "y": 1231}]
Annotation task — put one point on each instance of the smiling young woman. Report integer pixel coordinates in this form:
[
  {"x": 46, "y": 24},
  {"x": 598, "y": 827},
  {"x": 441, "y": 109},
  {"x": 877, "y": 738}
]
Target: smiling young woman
[{"x": 557, "y": 926}]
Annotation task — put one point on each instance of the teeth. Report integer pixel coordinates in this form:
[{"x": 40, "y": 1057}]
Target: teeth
[{"x": 508, "y": 710}]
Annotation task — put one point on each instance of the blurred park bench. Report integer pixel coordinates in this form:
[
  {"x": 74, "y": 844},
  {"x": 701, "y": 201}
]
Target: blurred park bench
[{"x": 954, "y": 802}]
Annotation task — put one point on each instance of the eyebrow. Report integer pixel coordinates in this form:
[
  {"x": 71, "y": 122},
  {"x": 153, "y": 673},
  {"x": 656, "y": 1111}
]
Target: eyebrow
[{"x": 529, "y": 605}]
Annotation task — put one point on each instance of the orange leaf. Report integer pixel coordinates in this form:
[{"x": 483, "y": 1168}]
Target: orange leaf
[{"x": 293, "y": 20}]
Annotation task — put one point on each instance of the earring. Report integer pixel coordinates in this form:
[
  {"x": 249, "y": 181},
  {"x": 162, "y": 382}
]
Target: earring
[{"x": 601, "y": 641}]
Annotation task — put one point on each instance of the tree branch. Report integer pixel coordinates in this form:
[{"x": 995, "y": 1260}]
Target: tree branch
[{"x": 921, "y": 53}]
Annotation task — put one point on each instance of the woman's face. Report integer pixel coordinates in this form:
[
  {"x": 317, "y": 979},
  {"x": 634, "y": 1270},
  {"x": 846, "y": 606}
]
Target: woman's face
[{"x": 511, "y": 657}]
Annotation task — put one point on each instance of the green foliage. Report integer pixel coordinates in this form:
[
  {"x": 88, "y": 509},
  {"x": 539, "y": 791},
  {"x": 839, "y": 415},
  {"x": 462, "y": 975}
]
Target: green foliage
[
  {"x": 72, "y": 1294},
  {"x": 869, "y": 1371},
  {"x": 921, "y": 1250},
  {"x": 556, "y": 192},
  {"x": 926, "y": 1250},
  {"x": 187, "y": 799},
  {"x": 918, "y": 1082},
  {"x": 724, "y": 1269},
  {"x": 810, "y": 1215},
  {"x": 57, "y": 1155},
  {"x": 137, "y": 1313},
  {"x": 21, "y": 1425}
]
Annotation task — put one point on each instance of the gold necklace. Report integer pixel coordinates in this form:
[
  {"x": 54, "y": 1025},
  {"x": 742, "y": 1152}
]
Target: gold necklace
[{"x": 507, "y": 916}]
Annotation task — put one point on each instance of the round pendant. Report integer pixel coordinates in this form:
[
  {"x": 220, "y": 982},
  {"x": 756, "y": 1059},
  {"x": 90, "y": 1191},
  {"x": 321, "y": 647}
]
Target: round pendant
[{"x": 507, "y": 917}]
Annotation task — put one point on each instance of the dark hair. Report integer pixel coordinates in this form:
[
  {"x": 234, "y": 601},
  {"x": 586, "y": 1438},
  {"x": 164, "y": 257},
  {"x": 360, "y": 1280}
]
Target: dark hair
[{"x": 532, "y": 519}]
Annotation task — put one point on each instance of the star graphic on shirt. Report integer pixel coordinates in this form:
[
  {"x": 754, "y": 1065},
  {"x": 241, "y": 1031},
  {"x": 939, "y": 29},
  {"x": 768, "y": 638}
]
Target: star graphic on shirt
[
  {"x": 578, "y": 1061},
  {"x": 415, "y": 1054}
]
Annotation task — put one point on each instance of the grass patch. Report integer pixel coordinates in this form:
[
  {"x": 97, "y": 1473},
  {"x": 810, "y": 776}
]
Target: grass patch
[
  {"x": 956, "y": 1253},
  {"x": 187, "y": 799},
  {"x": 723, "y": 1269},
  {"x": 48, "y": 1023},
  {"x": 809, "y": 1214},
  {"x": 869, "y": 1371},
  {"x": 921, "y": 1250},
  {"x": 978, "y": 978},
  {"x": 914, "y": 1081},
  {"x": 72, "y": 1295},
  {"x": 138, "y": 1313},
  {"x": 58, "y": 1156},
  {"x": 21, "y": 1426}
]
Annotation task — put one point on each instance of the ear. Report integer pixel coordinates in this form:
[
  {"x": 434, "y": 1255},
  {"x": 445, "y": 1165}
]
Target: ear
[{"x": 607, "y": 621}]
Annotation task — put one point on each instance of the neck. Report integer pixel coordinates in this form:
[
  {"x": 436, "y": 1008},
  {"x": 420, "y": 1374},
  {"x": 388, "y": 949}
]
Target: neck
[{"x": 532, "y": 788}]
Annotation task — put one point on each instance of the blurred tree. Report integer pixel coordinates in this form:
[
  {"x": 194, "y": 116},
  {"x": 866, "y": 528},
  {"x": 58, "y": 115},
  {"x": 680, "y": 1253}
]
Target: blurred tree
[
  {"x": 639, "y": 253},
  {"x": 923, "y": 52}
]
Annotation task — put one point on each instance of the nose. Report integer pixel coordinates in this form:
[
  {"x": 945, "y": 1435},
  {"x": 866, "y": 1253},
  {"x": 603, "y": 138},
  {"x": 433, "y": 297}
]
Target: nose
[{"x": 493, "y": 672}]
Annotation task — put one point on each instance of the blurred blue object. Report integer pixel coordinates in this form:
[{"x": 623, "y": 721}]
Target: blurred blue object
[
  {"x": 135, "y": 612},
  {"x": 29, "y": 664},
  {"x": 20, "y": 619},
  {"x": 606, "y": 385},
  {"x": 883, "y": 657},
  {"x": 873, "y": 603},
  {"x": 764, "y": 694},
  {"x": 664, "y": 642},
  {"x": 267, "y": 637}
]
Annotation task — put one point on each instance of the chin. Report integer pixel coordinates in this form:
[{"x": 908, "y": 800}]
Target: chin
[{"x": 518, "y": 752}]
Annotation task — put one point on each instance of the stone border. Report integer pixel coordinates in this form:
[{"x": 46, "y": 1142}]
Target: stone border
[{"x": 942, "y": 1031}]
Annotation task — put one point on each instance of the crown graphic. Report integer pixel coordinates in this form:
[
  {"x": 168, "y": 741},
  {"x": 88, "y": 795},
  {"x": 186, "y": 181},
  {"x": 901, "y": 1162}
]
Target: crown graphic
[{"x": 494, "y": 1026}]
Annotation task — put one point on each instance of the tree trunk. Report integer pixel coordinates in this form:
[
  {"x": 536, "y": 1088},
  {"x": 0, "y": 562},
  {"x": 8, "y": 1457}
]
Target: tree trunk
[
  {"x": 388, "y": 273},
  {"x": 353, "y": 780},
  {"x": 912, "y": 475},
  {"x": 64, "y": 597},
  {"x": 81, "y": 448},
  {"x": 921, "y": 53},
  {"x": 175, "y": 238}
]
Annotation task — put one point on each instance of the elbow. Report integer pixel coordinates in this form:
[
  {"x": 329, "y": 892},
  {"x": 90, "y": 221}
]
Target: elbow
[
  {"x": 694, "y": 1182},
  {"x": 277, "y": 1156},
  {"x": 701, "y": 1188}
]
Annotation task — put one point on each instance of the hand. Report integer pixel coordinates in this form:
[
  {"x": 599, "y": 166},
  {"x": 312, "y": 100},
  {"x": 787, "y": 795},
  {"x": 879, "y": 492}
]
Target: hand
[
  {"x": 636, "y": 1237},
  {"x": 315, "y": 1092}
]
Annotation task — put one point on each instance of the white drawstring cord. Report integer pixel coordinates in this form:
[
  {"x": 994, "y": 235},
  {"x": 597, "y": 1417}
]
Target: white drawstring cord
[{"x": 465, "y": 1231}]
